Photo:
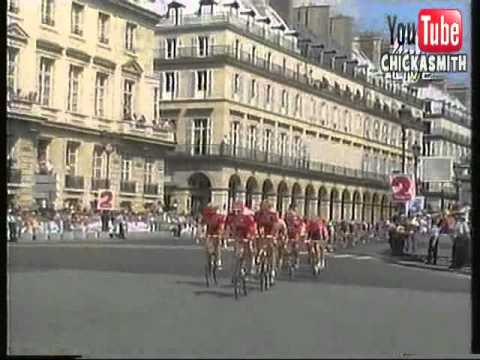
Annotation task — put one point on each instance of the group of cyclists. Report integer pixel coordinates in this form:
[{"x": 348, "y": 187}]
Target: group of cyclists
[{"x": 264, "y": 237}]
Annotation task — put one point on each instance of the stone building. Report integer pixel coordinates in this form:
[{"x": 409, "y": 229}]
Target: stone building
[
  {"x": 82, "y": 113},
  {"x": 256, "y": 119}
]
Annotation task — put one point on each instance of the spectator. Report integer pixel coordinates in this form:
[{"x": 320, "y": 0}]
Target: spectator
[{"x": 12, "y": 225}]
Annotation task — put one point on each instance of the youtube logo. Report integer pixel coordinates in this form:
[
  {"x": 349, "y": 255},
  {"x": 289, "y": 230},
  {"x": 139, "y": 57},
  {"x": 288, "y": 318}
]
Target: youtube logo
[{"x": 440, "y": 30}]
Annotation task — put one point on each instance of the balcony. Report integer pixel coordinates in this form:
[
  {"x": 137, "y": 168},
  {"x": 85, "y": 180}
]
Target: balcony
[
  {"x": 281, "y": 162},
  {"x": 150, "y": 189},
  {"x": 128, "y": 187},
  {"x": 15, "y": 176},
  {"x": 13, "y": 8},
  {"x": 450, "y": 136},
  {"x": 100, "y": 184},
  {"x": 74, "y": 182},
  {"x": 283, "y": 43},
  {"x": 227, "y": 53}
]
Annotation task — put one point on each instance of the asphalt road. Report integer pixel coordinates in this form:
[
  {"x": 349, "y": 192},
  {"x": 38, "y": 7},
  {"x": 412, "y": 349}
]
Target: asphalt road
[{"x": 147, "y": 298}]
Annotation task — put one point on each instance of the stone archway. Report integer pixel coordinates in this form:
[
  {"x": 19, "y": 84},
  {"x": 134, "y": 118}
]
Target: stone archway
[
  {"x": 334, "y": 205},
  {"x": 235, "y": 191},
  {"x": 346, "y": 204},
  {"x": 310, "y": 199},
  {"x": 323, "y": 203},
  {"x": 200, "y": 191},
  {"x": 384, "y": 208},
  {"x": 283, "y": 197},
  {"x": 375, "y": 208},
  {"x": 268, "y": 191},
  {"x": 297, "y": 197},
  {"x": 252, "y": 194},
  {"x": 356, "y": 206},
  {"x": 366, "y": 207}
]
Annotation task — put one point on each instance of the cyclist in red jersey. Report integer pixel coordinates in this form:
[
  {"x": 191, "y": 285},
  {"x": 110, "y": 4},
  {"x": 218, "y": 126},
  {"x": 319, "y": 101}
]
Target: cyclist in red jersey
[
  {"x": 215, "y": 225},
  {"x": 241, "y": 226},
  {"x": 266, "y": 218},
  {"x": 295, "y": 229},
  {"x": 317, "y": 233}
]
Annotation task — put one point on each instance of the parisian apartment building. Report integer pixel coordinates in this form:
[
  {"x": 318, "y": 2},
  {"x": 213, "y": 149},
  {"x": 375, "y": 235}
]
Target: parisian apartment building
[{"x": 194, "y": 107}]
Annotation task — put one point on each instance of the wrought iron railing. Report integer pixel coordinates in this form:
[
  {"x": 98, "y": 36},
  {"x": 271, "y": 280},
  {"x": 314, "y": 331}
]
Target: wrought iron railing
[
  {"x": 98, "y": 184},
  {"x": 74, "y": 182},
  {"x": 270, "y": 158},
  {"x": 128, "y": 186},
  {"x": 325, "y": 90},
  {"x": 150, "y": 189},
  {"x": 283, "y": 42}
]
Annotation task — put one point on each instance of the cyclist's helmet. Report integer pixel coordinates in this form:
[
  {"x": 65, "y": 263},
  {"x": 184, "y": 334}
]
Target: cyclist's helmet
[{"x": 238, "y": 207}]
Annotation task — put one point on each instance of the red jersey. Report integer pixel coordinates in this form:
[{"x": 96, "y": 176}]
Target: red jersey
[
  {"x": 294, "y": 225},
  {"x": 242, "y": 225},
  {"x": 214, "y": 222},
  {"x": 317, "y": 230},
  {"x": 266, "y": 220}
]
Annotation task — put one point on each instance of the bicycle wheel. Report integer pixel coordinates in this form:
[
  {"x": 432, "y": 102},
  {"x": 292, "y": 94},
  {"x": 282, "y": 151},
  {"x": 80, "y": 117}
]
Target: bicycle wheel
[
  {"x": 207, "y": 273},
  {"x": 262, "y": 277},
  {"x": 244, "y": 281},
  {"x": 214, "y": 270}
]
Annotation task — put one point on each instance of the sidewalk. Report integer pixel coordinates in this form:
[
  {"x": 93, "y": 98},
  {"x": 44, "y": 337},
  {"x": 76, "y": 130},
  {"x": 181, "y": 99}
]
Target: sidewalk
[
  {"x": 91, "y": 237},
  {"x": 381, "y": 249}
]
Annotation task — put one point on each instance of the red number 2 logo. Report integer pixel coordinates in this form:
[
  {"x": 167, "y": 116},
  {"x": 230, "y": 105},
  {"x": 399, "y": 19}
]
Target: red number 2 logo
[{"x": 105, "y": 201}]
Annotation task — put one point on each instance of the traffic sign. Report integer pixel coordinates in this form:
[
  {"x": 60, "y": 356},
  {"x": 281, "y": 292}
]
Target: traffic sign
[
  {"x": 403, "y": 187},
  {"x": 105, "y": 200}
]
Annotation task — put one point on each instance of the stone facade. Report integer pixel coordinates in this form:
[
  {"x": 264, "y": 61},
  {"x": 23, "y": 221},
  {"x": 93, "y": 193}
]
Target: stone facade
[{"x": 81, "y": 83}]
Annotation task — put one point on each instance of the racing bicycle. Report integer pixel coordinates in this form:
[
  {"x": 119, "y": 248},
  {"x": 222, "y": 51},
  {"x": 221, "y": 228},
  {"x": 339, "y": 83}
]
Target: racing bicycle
[
  {"x": 239, "y": 278},
  {"x": 212, "y": 256}
]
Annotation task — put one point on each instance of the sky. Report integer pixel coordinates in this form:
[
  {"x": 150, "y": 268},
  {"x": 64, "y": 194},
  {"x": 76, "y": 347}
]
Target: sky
[{"x": 371, "y": 15}]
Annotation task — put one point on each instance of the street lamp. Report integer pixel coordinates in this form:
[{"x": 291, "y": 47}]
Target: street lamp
[
  {"x": 416, "y": 153},
  {"x": 108, "y": 149},
  {"x": 404, "y": 115}
]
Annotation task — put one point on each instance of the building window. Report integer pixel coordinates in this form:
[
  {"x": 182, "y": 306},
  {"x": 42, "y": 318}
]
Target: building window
[
  {"x": 254, "y": 53},
  {"x": 253, "y": 89},
  {"x": 77, "y": 19},
  {"x": 201, "y": 136},
  {"x": 156, "y": 103},
  {"x": 171, "y": 48},
  {"x": 235, "y": 136},
  {"x": 44, "y": 165},
  {"x": 48, "y": 12},
  {"x": 237, "y": 48},
  {"x": 126, "y": 171},
  {"x": 103, "y": 28},
  {"x": 100, "y": 94},
  {"x": 297, "y": 147},
  {"x": 268, "y": 96},
  {"x": 202, "y": 80},
  {"x": 203, "y": 46},
  {"x": 237, "y": 84},
  {"x": 128, "y": 98},
  {"x": 170, "y": 83},
  {"x": 298, "y": 101},
  {"x": 74, "y": 77},
  {"x": 13, "y": 6},
  {"x": 284, "y": 65},
  {"x": 45, "y": 80},
  {"x": 71, "y": 158},
  {"x": 284, "y": 99},
  {"x": 12, "y": 69},
  {"x": 269, "y": 60},
  {"x": 267, "y": 140},
  {"x": 149, "y": 172},
  {"x": 99, "y": 170},
  {"x": 283, "y": 144},
  {"x": 252, "y": 137},
  {"x": 130, "y": 30}
]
